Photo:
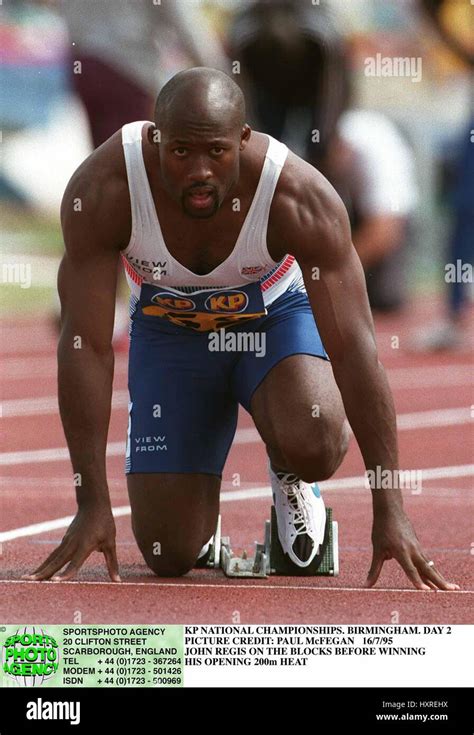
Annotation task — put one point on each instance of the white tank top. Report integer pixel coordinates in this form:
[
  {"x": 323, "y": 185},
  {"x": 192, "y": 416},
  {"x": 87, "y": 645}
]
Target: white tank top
[{"x": 147, "y": 260}]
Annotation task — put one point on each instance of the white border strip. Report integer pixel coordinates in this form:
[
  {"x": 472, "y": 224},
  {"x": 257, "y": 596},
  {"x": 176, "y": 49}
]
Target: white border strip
[
  {"x": 47, "y": 405},
  {"x": 227, "y": 585},
  {"x": 403, "y": 378},
  {"x": 405, "y": 422},
  {"x": 433, "y": 473}
]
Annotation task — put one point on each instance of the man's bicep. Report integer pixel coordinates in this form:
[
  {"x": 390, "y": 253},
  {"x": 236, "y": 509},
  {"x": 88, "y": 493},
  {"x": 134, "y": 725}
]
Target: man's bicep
[
  {"x": 87, "y": 286},
  {"x": 312, "y": 219},
  {"x": 338, "y": 297}
]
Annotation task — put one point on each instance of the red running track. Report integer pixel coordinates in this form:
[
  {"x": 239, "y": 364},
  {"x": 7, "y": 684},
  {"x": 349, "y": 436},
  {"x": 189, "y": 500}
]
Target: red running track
[{"x": 434, "y": 400}]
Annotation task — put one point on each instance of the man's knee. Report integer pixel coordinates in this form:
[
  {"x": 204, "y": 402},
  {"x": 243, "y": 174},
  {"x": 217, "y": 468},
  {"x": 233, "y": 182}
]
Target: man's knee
[
  {"x": 312, "y": 458},
  {"x": 168, "y": 561},
  {"x": 172, "y": 566}
]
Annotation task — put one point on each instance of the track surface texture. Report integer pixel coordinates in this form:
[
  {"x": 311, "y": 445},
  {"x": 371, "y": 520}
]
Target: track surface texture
[{"x": 434, "y": 400}]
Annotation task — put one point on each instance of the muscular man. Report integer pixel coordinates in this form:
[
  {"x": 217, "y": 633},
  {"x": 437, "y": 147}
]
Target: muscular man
[{"x": 222, "y": 231}]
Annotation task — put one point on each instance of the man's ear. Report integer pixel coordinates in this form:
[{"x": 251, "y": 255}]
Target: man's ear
[
  {"x": 245, "y": 136},
  {"x": 153, "y": 135}
]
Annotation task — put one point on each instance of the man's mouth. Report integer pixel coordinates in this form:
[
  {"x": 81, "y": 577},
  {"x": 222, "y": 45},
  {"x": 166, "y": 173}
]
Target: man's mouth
[{"x": 201, "y": 197}]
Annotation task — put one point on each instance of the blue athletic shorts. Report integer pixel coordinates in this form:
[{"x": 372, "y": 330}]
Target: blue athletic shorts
[{"x": 185, "y": 386}]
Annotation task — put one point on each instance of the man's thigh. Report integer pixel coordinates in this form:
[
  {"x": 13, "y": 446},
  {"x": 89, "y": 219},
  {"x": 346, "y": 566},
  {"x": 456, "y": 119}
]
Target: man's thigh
[
  {"x": 299, "y": 395},
  {"x": 300, "y": 416},
  {"x": 289, "y": 389},
  {"x": 182, "y": 415}
]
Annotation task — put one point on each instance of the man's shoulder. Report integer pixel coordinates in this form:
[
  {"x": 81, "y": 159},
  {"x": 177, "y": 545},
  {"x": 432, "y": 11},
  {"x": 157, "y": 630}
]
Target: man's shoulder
[
  {"x": 304, "y": 204},
  {"x": 102, "y": 172},
  {"x": 98, "y": 190}
]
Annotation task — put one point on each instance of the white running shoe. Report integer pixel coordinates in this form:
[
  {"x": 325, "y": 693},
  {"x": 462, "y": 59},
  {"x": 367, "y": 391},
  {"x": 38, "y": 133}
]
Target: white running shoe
[{"x": 301, "y": 517}]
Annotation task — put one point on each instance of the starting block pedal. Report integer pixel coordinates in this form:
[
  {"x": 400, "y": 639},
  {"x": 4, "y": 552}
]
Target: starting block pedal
[
  {"x": 243, "y": 566},
  {"x": 269, "y": 557}
]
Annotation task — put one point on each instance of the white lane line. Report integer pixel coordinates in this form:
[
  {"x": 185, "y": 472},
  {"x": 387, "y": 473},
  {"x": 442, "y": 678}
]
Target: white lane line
[
  {"x": 8, "y": 482},
  {"x": 400, "y": 378},
  {"x": 57, "y": 523},
  {"x": 405, "y": 422},
  {"x": 41, "y": 366},
  {"x": 46, "y": 405},
  {"x": 228, "y": 585},
  {"x": 49, "y": 455},
  {"x": 434, "y": 418},
  {"x": 433, "y": 473},
  {"x": 17, "y": 368}
]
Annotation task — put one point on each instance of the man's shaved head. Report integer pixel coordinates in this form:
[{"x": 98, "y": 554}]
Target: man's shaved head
[
  {"x": 200, "y": 115},
  {"x": 207, "y": 93}
]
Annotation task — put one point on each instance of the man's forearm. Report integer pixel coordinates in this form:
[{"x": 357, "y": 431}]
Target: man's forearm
[
  {"x": 371, "y": 413},
  {"x": 85, "y": 392}
]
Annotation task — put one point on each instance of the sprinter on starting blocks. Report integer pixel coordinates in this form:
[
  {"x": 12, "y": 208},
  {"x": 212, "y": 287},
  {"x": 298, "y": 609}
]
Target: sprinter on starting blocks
[{"x": 245, "y": 290}]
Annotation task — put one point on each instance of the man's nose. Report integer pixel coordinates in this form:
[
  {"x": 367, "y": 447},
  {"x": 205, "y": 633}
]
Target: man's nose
[{"x": 199, "y": 170}]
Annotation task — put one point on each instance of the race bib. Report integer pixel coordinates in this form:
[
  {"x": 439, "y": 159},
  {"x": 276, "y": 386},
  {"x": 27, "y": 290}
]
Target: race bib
[{"x": 204, "y": 311}]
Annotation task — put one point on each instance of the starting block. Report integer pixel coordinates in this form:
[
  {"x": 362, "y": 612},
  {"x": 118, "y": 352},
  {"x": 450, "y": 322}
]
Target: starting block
[
  {"x": 269, "y": 557},
  {"x": 243, "y": 566}
]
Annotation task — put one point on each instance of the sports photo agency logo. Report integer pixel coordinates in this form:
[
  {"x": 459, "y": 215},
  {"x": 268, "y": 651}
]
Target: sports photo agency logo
[{"x": 30, "y": 656}]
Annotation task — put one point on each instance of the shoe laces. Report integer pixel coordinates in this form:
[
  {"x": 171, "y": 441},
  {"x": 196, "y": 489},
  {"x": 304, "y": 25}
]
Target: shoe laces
[{"x": 299, "y": 504}]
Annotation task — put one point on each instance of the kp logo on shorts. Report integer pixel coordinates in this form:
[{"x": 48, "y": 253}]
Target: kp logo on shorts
[
  {"x": 227, "y": 302},
  {"x": 173, "y": 302},
  {"x": 207, "y": 310}
]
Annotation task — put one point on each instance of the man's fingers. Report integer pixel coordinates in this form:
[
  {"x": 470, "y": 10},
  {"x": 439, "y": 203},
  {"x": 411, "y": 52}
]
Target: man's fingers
[
  {"x": 375, "y": 569},
  {"x": 53, "y": 563},
  {"x": 412, "y": 573},
  {"x": 431, "y": 575},
  {"x": 76, "y": 563},
  {"x": 48, "y": 566},
  {"x": 58, "y": 551},
  {"x": 110, "y": 554}
]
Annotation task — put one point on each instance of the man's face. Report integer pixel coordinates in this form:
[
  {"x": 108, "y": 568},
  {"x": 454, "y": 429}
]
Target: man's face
[{"x": 200, "y": 164}]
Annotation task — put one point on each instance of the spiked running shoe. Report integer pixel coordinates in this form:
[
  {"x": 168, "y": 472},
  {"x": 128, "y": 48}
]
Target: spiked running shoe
[{"x": 301, "y": 517}]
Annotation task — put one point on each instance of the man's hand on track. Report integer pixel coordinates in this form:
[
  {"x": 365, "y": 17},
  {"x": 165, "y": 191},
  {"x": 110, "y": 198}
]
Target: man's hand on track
[
  {"x": 93, "y": 529},
  {"x": 393, "y": 537}
]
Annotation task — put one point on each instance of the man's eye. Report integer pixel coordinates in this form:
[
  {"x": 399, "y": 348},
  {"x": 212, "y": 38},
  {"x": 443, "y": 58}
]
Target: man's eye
[
  {"x": 217, "y": 150},
  {"x": 180, "y": 152}
]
